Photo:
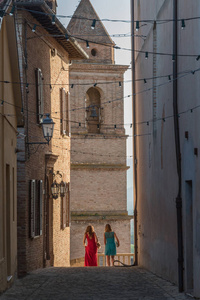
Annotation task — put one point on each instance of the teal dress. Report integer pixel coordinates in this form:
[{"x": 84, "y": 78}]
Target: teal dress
[{"x": 110, "y": 248}]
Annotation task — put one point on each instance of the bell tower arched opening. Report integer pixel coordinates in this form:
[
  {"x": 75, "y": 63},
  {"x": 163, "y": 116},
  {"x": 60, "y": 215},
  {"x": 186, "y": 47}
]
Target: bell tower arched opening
[{"x": 93, "y": 110}]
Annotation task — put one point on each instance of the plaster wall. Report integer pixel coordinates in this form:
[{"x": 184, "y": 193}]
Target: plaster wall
[
  {"x": 157, "y": 172},
  {"x": 8, "y": 193}
]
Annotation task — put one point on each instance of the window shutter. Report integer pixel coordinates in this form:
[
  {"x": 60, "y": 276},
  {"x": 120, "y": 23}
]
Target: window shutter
[
  {"x": 63, "y": 111},
  {"x": 40, "y": 96},
  {"x": 41, "y": 202},
  {"x": 32, "y": 208},
  {"x": 64, "y": 202},
  {"x": 68, "y": 114},
  {"x": 68, "y": 213}
]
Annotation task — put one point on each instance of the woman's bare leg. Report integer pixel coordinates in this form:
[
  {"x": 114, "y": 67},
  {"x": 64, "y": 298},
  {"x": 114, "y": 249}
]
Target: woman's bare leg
[
  {"x": 108, "y": 260},
  {"x": 112, "y": 260}
]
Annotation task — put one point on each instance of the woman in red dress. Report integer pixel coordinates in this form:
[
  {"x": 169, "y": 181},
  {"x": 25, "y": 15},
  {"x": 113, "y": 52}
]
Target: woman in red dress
[{"x": 90, "y": 242}]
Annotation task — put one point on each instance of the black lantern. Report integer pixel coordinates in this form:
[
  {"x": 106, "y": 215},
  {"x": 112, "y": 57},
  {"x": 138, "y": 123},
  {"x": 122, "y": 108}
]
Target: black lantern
[
  {"x": 47, "y": 127},
  {"x": 55, "y": 189},
  {"x": 63, "y": 188}
]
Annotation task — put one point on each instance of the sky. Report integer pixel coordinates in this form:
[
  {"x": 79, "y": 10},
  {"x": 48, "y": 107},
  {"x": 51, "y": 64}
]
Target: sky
[{"x": 112, "y": 10}]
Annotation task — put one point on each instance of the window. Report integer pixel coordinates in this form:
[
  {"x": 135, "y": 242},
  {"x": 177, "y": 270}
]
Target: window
[
  {"x": 93, "y": 110},
  {"x": 36, "y": 200},
  {"x": 94, "y": 52},
  {"x": 66, "y": 208},
  {"x": 39, "y": 95},
  {"x": 65, "y": 124}
]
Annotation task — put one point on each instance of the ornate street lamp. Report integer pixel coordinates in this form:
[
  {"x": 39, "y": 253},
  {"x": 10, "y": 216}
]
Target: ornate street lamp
[
  {"x": 47, "y": 127},
  {"x": 55, "y": 189},
  {"x": 63, "y": 188}
]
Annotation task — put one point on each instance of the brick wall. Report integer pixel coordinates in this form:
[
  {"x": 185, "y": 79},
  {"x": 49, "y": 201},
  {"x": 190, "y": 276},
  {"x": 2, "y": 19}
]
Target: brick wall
[
  {"x": 98, "y": 160},
  {"x": 31, "y": 252}
]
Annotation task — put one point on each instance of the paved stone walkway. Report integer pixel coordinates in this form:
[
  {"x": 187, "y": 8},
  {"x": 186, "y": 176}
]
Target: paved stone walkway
[{"x": 92, "y": 283}]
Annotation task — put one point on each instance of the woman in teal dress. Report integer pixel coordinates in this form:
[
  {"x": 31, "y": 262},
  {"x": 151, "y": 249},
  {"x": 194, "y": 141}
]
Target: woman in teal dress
[{"x": 110, "y": 245}]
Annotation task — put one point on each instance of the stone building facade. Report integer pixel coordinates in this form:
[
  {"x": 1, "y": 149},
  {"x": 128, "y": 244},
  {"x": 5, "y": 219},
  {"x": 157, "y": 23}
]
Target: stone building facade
[
  {"x": 10, "y": 113},
  {"x": 98, "y": 142},
  {"x": 43, "y": 221},
  {"x": 165, "y": 195}
]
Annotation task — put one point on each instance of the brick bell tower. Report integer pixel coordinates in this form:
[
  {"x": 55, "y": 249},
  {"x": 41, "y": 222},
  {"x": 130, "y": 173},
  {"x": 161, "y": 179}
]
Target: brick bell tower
[{"x": 98, "y": 140}]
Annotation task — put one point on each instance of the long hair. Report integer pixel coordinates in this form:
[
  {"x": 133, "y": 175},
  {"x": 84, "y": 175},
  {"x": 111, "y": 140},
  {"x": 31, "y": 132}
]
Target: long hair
[
  {"x": 108, "y": 228},
  {"x": 89, "y": 230}
]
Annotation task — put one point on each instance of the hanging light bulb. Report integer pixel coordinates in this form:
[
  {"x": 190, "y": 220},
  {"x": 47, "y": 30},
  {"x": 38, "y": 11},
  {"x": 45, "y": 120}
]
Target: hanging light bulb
[
  {"x": 182, "y": 24},
  {"x": 12, "y": 11},
  {"x": 87, "y": 45},
  {"x": 53, "y": 20},
  {"x": 66, "y": 36},
  {"x": 137, "y": 26},
  {"x": 34, "y": 27},
  {"x": 146, "y": 55},
  {"x": 93, "y": 24}
]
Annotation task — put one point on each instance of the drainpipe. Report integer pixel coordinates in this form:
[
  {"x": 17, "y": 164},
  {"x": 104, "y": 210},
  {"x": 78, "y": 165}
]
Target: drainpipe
[
  {"x": 177, "y": 144},
  {"x": 134, "y": 135}
]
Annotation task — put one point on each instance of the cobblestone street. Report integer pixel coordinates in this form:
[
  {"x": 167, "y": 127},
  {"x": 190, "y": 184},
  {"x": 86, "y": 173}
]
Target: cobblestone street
[{"x": 92, "y": 283}]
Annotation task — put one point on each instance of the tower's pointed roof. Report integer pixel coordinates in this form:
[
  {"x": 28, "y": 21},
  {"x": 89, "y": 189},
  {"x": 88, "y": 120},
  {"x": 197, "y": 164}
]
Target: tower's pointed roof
[{"x": 81, "y": 21}]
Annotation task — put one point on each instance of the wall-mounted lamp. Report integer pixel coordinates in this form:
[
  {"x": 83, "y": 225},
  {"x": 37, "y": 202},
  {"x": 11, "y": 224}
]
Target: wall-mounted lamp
[
  {"x": 55, "y": 189},
  {"x": 63, "y": 188},
  {"x": 58, "y": 188}
]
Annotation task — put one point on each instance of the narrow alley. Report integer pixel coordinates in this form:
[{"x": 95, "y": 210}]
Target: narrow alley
[{"x": 92, "y": 283}]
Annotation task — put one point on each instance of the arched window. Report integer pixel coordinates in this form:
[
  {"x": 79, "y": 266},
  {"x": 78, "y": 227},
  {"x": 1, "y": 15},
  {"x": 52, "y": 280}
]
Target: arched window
[{"x": 93, "y": 109}]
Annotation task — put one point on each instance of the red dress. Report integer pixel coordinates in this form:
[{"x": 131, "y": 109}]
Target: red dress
[{"x": 90, "y": 252}]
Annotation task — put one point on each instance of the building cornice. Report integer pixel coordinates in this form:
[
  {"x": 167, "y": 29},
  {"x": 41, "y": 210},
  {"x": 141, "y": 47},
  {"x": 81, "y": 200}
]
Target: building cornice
[
  {"x": 87, "y": 67},
  {"x": 103, "y": 136},
  {"x": 102, "y": 166},
  {"x": 100, "y": 216}
]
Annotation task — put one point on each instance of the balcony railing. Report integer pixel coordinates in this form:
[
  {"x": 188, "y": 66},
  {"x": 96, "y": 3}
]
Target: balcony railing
[{"x": 125, "y": 258}]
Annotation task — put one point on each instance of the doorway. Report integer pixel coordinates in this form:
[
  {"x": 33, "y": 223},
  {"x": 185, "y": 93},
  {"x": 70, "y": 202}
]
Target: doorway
[
  {"x": 189, "y": 234},
  {"x": 8, "y": 221}
]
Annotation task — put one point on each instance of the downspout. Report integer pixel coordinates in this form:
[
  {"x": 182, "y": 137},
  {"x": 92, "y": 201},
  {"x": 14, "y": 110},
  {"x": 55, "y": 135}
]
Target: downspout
[
  {"x": 134, "y": 136},
  {"x": 177, "y": 144}
]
